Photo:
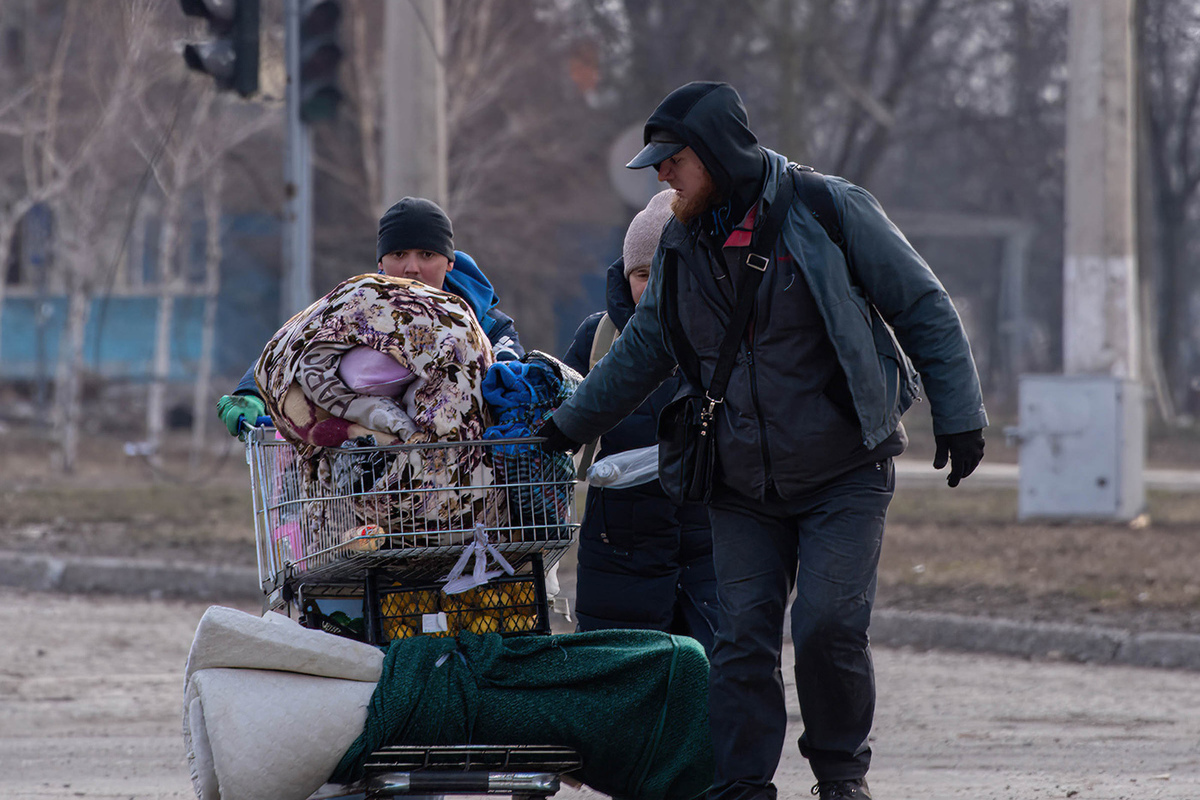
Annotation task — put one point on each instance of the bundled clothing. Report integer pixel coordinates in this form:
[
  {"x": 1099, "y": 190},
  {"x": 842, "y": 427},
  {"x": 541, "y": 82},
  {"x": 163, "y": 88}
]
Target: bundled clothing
[
  {"x": 433, "y": 338},
  {"x": 524, "y": 392},
  {"x": 631, "y": 703},
  {"x": 644, "y": 561},
  {"x": 429, "y": 333},
  {"x": 467, "y": 282}
]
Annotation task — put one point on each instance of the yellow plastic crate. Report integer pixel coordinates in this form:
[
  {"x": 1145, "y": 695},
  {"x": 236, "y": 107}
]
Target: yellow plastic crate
[{"x": 506, "y": 605}]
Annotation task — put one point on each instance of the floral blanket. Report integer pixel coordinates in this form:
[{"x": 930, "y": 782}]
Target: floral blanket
[{"x": 433, "y": 334}]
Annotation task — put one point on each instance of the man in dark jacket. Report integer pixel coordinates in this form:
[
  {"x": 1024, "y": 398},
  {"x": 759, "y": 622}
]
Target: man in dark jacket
[
  {"x": 415, "y": 241},
  {"x": 644, "y": 561},
  {"x": 805, "y": 435}
]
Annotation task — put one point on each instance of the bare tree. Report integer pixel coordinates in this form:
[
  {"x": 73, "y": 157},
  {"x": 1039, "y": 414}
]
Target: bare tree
[
  {"x": 90, "y": 119},
  {"x": 181, "y": 153},
  {"x": 518, "y": 128},
  {"x": 213, "y": 252},
  {"x": 1170, "y": 81},
  {"x": 193, "y": 152},
  {"x": 29, "y": 118},
  {"x": 72, "y": 153}
]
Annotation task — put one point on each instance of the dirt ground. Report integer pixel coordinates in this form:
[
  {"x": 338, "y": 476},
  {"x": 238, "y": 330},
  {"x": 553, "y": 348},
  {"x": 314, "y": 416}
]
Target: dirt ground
[
  {"x": 93, "y": 711},
  {"x": 960, "y": 551}
]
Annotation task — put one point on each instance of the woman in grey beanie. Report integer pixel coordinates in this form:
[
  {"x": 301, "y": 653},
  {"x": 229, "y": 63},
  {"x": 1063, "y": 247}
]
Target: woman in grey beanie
[
  {"x": 641, "y": 240},
  {"x": 644, "y": 562}
]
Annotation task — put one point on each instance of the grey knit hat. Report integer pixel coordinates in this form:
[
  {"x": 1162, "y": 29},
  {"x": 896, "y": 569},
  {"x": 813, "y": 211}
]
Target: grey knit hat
[{"x": 641, "y": 240}]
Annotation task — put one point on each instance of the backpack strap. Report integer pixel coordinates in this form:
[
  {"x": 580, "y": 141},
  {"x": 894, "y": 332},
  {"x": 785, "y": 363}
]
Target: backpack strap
[
  {"x": 815, "y": 194},
  {"x": 606, "y": 333}
]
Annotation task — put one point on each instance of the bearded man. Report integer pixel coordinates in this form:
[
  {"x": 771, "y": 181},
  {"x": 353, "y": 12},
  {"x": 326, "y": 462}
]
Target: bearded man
[{"x": 806, "y": 431}]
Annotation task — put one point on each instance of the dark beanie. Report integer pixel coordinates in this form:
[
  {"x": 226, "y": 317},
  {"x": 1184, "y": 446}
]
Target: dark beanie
[{"x": 415, "y": 223}]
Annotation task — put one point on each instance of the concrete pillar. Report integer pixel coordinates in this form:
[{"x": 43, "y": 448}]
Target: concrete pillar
[
  {"x": 296, "y": 291},
  {"x": 414, "y": 97},
  {"x": 1082, "y": 434},
  {"x": 1100, "y": 329}
]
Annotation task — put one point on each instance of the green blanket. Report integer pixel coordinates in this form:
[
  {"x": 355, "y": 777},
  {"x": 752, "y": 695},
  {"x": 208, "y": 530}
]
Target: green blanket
[{"x": 634, "y": 704}]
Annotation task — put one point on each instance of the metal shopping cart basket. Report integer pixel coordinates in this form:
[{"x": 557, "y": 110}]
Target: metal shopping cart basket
[
  {"x": 390, "y": 524},
  {"x": 380, "y": 530}
]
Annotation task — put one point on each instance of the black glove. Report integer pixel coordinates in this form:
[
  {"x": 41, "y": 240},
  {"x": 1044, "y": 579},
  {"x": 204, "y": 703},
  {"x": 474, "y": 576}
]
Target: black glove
[
  {"x": 556, "y": 440},
  {"x": 965, "y": 451}
]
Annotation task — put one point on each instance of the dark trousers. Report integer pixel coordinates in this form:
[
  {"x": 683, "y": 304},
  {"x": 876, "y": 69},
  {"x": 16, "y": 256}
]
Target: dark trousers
[{"x": 826, "y": 546}]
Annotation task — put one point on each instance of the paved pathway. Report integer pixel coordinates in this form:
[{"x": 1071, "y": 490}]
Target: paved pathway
[{"x": 91, "y": 691}]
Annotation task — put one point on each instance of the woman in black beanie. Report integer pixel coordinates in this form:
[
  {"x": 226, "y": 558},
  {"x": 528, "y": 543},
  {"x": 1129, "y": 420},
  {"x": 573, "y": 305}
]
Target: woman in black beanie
[{"x": 416, "y": 241}]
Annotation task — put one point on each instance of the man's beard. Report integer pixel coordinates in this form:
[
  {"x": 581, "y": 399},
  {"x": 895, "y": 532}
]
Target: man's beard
[{"x": 687, "y": 210}]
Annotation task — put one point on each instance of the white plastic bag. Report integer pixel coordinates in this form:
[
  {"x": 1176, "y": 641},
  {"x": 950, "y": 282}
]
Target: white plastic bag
[
  {"x": 480, "y": 549},
  {"x": 622, "y": 470}
]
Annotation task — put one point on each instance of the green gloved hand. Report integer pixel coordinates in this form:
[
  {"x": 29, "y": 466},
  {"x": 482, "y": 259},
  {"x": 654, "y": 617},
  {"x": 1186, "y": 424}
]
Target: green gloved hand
[{"x": 233, "y": 409}]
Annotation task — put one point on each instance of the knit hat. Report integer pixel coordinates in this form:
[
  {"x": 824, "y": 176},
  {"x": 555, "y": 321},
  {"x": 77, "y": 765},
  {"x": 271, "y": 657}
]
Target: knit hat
[
  {"x": 415, "y": 223},
  {"x": 641, "y": 240}
]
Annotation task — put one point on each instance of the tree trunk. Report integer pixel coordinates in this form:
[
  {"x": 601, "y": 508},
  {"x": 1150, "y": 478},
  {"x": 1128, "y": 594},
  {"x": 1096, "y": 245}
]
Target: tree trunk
[
  {"x": 1176, "y": 344},
  {"x": 68, "y": 384},
  {"x": 156, "y": 399},
  {"x": 201, "y": 401}
]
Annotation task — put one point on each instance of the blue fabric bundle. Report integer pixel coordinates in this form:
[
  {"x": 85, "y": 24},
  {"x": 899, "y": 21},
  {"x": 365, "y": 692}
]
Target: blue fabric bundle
[
  {"x": 522, "y": 394},
  {"x": 508, "y": 430},
  {"x": 526, "y": 391}
]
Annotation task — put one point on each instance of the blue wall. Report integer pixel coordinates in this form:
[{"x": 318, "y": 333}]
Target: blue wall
[
  {"x": 119, "y": 341},
  {"x": 119, "y": 338}
]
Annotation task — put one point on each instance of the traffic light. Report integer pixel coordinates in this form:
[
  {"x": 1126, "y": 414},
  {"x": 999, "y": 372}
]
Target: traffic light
[
  {"x": 320, "y": 55},
  {"x": 232, "y": 57}
]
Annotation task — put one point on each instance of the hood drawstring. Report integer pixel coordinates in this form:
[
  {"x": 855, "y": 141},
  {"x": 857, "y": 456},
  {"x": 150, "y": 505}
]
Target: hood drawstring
[{"x": 720, "y": 222}]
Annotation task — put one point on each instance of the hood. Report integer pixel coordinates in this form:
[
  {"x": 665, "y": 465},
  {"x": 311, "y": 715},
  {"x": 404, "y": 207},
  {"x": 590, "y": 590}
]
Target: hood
[
  {"x": 618, "y": 299},
  {"x": 711, "y": 119},
  {"x": 468, "y": 282}
]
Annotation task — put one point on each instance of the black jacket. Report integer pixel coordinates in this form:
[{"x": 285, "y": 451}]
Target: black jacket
[
  {"x": 644, "y": 562},
  {"x": 639, "y": 428},
  {"x": 790, "y": 420}
]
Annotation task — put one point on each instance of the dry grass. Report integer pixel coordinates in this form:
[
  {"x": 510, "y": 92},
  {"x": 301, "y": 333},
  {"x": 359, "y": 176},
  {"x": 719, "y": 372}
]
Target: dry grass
[{"x": 961, "y": 551}]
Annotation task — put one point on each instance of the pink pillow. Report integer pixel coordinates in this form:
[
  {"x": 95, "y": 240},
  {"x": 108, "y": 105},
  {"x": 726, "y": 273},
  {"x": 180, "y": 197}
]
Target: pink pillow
[{"x": 367, "y": 371}]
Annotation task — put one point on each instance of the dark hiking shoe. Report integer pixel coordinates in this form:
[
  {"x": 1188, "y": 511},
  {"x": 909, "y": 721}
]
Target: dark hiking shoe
[{"x": 843, "y": 790}]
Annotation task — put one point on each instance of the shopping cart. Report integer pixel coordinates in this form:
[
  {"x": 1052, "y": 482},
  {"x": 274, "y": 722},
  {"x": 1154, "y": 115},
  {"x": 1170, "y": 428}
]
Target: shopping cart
[{"x": 380, "y": 543}]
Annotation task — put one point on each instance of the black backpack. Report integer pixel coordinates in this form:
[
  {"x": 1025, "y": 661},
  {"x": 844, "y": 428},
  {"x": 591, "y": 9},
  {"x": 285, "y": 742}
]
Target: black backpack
[{"x": 811, "y": 188}]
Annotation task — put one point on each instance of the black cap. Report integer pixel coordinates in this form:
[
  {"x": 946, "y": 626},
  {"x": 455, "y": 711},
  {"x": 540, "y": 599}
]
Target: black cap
[
  {"x": 660, "y": 146},
  {"x": 415, "y": 223}
]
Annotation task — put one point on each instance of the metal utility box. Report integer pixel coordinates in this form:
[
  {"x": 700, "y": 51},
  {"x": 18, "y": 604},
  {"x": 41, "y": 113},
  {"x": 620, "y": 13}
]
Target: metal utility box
[{"x": 1082, "y": 447}]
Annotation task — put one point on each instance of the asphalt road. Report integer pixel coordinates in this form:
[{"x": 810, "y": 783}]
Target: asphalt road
[{"x": 91, "y": 688}]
